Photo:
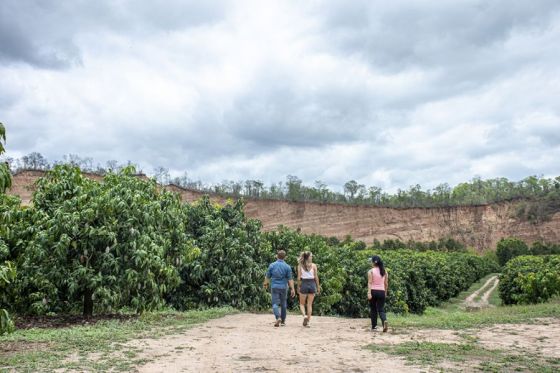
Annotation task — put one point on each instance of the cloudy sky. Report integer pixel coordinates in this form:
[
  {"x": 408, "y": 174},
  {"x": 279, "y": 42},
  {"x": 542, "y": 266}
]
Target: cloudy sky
[{"x": 389, "y": 93}]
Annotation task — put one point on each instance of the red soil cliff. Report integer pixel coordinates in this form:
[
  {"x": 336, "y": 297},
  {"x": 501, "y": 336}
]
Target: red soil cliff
[{"x": 476, "y": 226}]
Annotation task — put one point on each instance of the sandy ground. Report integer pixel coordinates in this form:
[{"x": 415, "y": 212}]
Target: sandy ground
[{"x": 249, "y": 343}]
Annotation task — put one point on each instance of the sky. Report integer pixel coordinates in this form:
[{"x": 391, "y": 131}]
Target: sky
[{"x": 388, "y": 93}]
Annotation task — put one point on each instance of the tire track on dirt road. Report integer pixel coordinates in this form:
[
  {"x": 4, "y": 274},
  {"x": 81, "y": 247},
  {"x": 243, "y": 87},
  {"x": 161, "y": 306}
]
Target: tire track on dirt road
[{"x": 488, "y": 287}]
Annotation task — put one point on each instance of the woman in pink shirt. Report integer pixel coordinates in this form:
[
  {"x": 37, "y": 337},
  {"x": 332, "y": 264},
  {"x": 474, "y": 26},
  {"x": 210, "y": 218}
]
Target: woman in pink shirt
[{"x": 378, "y": 283}]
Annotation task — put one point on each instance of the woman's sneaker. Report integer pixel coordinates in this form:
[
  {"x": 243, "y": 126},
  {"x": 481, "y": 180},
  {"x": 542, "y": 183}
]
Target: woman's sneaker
[
  {"x": 385, "y": 326},
  {"x": 305, "y": 321}
]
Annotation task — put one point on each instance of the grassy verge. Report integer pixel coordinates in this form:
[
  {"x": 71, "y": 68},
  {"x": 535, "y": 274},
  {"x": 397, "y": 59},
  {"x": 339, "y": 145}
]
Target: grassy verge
[
  {"x": 469, "y": 355},
  {"x": 71, "y": 348},
  {"x": 456, "y": 319}
]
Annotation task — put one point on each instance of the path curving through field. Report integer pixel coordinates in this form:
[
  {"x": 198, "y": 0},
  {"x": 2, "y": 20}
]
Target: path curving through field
[{"x": 471, "y": 302}]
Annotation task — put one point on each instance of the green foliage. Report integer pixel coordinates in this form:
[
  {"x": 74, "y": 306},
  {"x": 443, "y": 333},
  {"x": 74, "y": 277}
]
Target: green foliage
[
  {"x": 231, "y": 261},
  {"x": 540, "y": 248},
  {"x": 104, "y": 245},
  {"x": 530, "y": 279},
  {"x": 7, "y": 271},
  {"x": 332, "y": 271},
  {"x": 7, "y": 276},
  {"x": 509, "y": 248},
  {"x": 5, "y": 175},
  {"x": 443, "y": 244}
]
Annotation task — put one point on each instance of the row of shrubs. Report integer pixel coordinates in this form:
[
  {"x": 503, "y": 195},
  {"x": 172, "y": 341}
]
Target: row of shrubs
[
  {"x": 126, "y": 244},
  {"x": 530, "y": 279}
]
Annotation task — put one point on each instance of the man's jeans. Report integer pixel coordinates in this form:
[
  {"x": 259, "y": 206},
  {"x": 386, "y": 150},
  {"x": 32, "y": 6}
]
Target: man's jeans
[{"x": 279, "y": 299}]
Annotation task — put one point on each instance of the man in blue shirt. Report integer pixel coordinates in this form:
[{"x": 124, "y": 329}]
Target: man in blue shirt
[{"x": 279, "y": 274}]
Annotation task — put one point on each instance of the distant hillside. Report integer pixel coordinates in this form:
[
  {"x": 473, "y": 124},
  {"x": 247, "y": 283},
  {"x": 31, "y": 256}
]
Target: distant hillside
[{"x": 477, "y": 226}]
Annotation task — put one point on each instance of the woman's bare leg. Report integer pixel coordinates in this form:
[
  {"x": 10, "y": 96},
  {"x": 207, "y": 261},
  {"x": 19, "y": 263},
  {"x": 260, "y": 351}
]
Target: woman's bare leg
[
  {"x": 302, "y": 299},
  {"x": 310, "y": 298}
]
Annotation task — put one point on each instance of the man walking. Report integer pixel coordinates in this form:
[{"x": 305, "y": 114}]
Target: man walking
[{"x": 279, "y": 274}]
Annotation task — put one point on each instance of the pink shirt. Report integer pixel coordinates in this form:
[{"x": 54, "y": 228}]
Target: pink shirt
[{"x": 378, "y": 282}]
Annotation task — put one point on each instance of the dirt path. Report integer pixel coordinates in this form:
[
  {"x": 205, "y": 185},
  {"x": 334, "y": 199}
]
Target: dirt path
[
  {"x": 489, "y": 286},
  {"x": 249, "y": 343}
]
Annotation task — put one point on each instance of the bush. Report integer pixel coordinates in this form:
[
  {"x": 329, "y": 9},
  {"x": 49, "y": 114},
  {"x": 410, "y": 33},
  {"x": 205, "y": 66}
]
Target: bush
[
  {"x": 231, "y": 261},
  {"x": 99, "y": 246},
  {"x": 509, "y": 248},
  {"x": 530, "y": 279}
]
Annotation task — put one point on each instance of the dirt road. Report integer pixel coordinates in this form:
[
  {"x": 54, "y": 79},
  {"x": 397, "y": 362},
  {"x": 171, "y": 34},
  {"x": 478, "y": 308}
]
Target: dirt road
[
  {"x": 249, "y": 343},
  {"x": 475, "y": 300}
]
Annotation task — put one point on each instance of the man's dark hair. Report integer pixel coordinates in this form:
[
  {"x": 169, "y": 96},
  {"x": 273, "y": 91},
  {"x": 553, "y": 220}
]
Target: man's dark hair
[{"x": 281, "y": 254}]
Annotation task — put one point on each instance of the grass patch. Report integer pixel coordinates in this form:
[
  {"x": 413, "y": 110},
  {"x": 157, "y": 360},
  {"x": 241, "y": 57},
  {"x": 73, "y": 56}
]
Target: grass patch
[
  {"x": 469, "y": 355},
  {"x": 494, "y": 299},
  {"x": 72, "y": 347},
  {"x": 443, "y": 318}
]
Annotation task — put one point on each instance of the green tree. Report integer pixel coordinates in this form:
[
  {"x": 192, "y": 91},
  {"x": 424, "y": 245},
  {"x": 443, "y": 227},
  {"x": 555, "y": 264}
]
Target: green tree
[
  {"x": 102, "y": 245},
  {"x": 230, "y": 267},
  {"x": 5, "y": 174},
  {"x": 293, "y": 184},
  {"x": 352, "y": 188},
  {"x": 7, "y": 271},
  {"x": 509, "y": 248}
]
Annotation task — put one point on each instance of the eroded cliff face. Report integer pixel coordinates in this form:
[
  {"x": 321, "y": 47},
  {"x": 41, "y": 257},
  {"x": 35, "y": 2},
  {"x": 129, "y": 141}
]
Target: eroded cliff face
[{"x": 480, "y": 227}]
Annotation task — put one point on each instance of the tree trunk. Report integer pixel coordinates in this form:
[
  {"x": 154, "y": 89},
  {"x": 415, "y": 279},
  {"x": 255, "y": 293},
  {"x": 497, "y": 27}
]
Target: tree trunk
[{"x": 88, "y": 303}]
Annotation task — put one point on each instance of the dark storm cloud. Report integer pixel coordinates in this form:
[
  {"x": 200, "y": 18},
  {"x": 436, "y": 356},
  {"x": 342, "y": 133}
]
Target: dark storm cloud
[
  {"x": 44, "y": 33},
  {"x": 433, "y": 34},
  {"x": 462, "y": 43}
]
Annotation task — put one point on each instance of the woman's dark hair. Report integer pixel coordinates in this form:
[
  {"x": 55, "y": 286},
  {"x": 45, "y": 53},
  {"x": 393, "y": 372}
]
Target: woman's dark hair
[{"x": 378, "y": 262}]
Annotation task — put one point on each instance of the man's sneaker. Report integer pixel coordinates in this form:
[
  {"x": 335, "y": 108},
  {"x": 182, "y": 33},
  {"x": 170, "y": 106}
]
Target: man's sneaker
[
  {"x": 277, "y": 323},
  {"x": 305, "y": 321},
  {"x": 374, "y": 329},
  {"x": 385, "y": 326},
  {"x": 283, "y": 323}
]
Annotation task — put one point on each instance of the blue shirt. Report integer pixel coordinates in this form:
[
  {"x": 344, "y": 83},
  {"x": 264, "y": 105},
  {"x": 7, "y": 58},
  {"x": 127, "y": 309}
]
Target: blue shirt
[{"x": 280, "y": 273}]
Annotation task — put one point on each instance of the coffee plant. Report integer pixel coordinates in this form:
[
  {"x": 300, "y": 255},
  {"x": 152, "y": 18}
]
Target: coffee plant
[
  {"x": 7, "y": 271},
  {"x": 530, "y": 279},
  {"x": 101, "y": 245},
  {"x": 509, "y": 248},
  {"x": 231, "y": 260}
]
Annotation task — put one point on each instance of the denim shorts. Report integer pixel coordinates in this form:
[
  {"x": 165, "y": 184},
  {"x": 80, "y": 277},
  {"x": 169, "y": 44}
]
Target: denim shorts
[{"x": 308, "y": 286}]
